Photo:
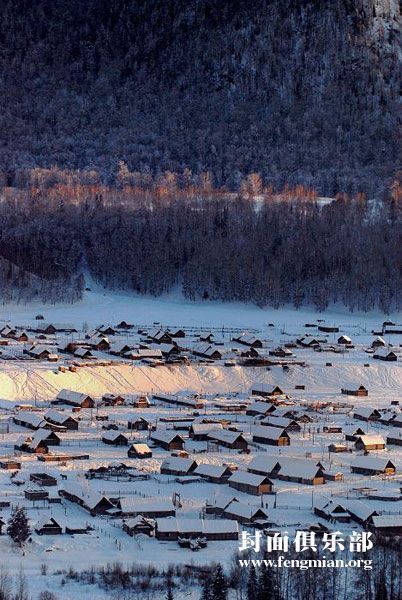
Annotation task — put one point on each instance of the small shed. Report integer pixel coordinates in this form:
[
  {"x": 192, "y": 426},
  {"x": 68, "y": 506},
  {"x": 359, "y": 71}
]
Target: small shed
[{"x": 48, "y": 527}]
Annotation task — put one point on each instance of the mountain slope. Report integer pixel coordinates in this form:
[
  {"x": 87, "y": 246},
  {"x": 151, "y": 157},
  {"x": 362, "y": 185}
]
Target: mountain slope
[{"x": 301, "y": 91}]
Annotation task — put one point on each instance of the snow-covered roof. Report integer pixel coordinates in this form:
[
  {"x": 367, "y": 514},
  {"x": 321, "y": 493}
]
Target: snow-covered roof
[
  {"x": 269, "y": 433},
  {"x": 264, "y": 388},
  {"x": 225, "y": 436},
  {"x": 131, "y": 504},
  {"x": 275, "y": 421},
  {"x": 71, "y": 396},
  {"x": 112, "y": 435},
  {"x": 297, "y": 467},
  {"x": 259, "y": 407},
  {"x": 40, "y": 348},
  {"x": 370, "y": 462},
  {"x": 364, "y": 411},
  {"x": 389, "y": 521},
  {"x": 207, "y": 526},
  {"x": 371, "y": 439},
  {"x": 91, "y": 498},
  {"x": 239, "y": 509},
  {"x": 264, "y": 463},
  {"x": 247, "y": 478},
  {"x": 164, "y": 435},
  {"x": 198, "y": 428},
  {"x": 80, "y": 351},
  {"x": 58, "y": 417},
  {"x": 383, "y": 352},
  {"x": 175, "y": 463},
  {"x": 207, "y": 470},
  {"x": 141, "y": 448},
  {"x": 31, "y": 418},
  {"x": 358, "y": 508}
]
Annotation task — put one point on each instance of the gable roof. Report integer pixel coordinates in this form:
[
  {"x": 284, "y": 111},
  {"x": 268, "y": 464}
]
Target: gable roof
[{"x": 246, "y": 478}]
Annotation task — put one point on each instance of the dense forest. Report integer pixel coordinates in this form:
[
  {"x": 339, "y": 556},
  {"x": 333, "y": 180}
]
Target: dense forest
[
  {"x": 301, "y": 91},
  {"x": 268, "y": 249}
]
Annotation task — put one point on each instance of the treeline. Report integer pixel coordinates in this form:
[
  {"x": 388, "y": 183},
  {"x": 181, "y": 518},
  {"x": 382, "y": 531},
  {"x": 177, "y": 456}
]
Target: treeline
[
  {"x": 303, "y": 92},
  {"x": 212, "y": 247}
]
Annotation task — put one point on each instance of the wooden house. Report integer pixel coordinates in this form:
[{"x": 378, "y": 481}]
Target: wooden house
[
  {"x": 378, "y": 342},
  {"x": 167, "y": 439},
  {"x": 84, "y": 353},
  {"x": 210, "y": 529},
  {"x": 29, "y": 420},
  {"x": 331, "y": 510},
  {"x": 264, "y": 464},
  {"x": 394, "y": 439},
  {"x": 385, "y": 354},
  {"x": 345, "y": 340},
  {"x": 176, "y": 333},
  {"x": 266, "y": 389},
  {"x": 114, "y": 438},
  {"x": 139, "y": 424},
  {"x": 395, "y": 420},
  {"x": 360, "y": 512},
  {"x": 281, "y": 352},
  {"x": 48, "y": 526},
  {"x": 160, "y": 336},
  {"x": 94, "y": 502},
  {"x": 250, "y": 483},
  {"x": 119, "y": 349},
  {"x": 273, "y": 436},
  {"x": 360, "y": 391},
  {"x": 35, "y": 495},
  {"x": 250, "y": 516},
  {"x": 207, "y": 351},
  {"x": 248, "y": 340},
  {"x": 301, "y": 471},
  {"x": 76, "y": 399},
  {"x": 101, "y": 344},
  {"x": 139, "y": 451},
  {"x": 229, "y": 439},
  {"x": 39, "y": 443},
  {"x": 138, "y": 525},
  {"x": 42, "y": 352},
  {"x": 369, "y": 442},
  {"x": 309, "y": 342},
  {"x": 60, "y": 419},
  {"x": 213, "y": 473},
  {"x": 372, "y": 465},
  {"x": 151, "y": 508},
  {"x": 113, "y": 399},
  {"x": 199, "y": 431},
  {"x": 52, "y": 328},
  {"x": 141, "y": 402},
  {"x": 387, "y": 525},
  {"x": 43, "y": 479},
  {"x": 282, "y": 422},
  {"x": 352, "y": 433},
  {"x": 259, "y": 408},
  {"x": 174, "y": 465},
  {"x": 367, "y": 413}
]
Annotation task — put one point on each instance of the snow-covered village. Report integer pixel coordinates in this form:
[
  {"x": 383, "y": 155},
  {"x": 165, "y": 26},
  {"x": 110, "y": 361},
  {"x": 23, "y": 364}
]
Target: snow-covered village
[
  {"x": 200, "y": 300},
  {"x": 177, "y": 441}
]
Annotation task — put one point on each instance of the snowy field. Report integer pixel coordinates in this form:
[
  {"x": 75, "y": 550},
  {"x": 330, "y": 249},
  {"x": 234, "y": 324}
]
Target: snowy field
[{"x": 38, "y": 382}]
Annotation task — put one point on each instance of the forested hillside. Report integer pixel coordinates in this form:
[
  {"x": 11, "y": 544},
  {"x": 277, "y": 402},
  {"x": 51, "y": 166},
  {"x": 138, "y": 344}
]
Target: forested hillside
[
  {"x": 301, "y": 91},
  {"x": 270, "y": 252}
]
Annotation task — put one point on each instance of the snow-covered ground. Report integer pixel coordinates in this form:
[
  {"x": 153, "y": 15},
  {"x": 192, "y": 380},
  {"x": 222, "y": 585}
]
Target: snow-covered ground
[{"x": 37, "y": 382}]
